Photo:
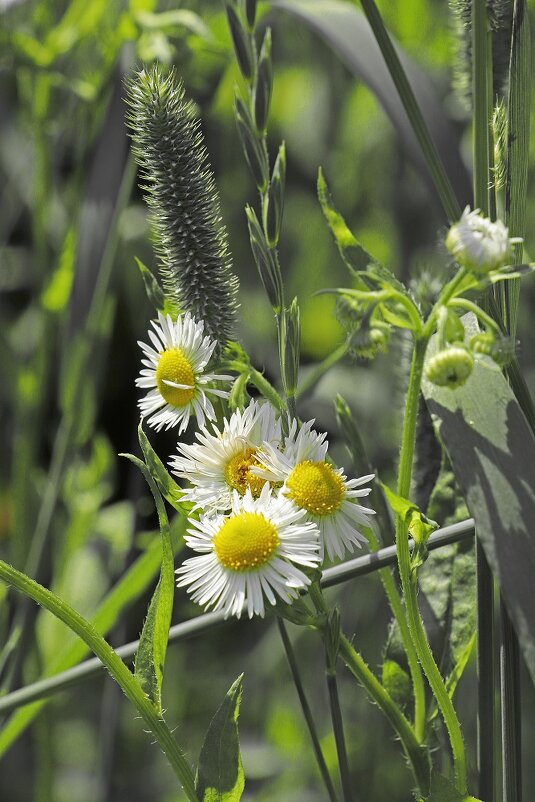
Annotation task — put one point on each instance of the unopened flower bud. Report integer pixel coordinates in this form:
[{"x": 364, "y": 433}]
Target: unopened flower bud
[
  {"x": 479, "y": 244},
  {"x": 368, "y": 341},
  {"x": 450, "y": 367},
  {"x": 266, "y": 261},
  {"x": 274, "y": 204},
  {"x": 254, "y": 152},
  {"x": 482, "y": 343}
]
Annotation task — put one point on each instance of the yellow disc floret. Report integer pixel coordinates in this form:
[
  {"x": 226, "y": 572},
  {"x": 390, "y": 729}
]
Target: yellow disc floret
[
  {"x": 245, "y": 542},
  {"x": 315, "y": 487},
  {"x": 174, "y": 366},
  {"x": 239, "y": 476}
]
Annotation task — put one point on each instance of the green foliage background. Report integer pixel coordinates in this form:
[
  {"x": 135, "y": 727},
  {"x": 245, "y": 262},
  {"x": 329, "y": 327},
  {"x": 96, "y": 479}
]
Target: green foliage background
[{"x": 62, "y": 155}]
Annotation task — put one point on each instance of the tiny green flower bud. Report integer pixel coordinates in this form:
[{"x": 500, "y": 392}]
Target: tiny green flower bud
[
  {"x": 478, "y": 244},
  {"x": 482, "y": 343},
  {"x": 241, "y": 41},
  {"x": 450, "y": 367},
  {"x": 263, "y": 85},
  {"x": 274, "y": 204},
  {"x": 265, "y": 261},
  {"x": 503, "y": 351},
  {"x": 369, "y": 340},
  {"x": 250, "y": 13},
  {"x": 291, "y": 348}
]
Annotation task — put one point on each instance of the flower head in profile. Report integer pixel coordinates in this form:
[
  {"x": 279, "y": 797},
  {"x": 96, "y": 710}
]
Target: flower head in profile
[
  {"x": 325, "y": 494},
  {"x": 221, "y": 462},
  {"x": 249, "y": 556},
  {"x": 479, "y": 244},
  {"x": 174, "y": 373}
]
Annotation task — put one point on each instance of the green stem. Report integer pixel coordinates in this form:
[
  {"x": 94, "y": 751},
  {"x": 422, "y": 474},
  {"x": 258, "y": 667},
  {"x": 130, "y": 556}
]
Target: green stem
[
  {"x": 464, "y": 303},
  {"x": 339, "y": 736},
  {"x": 307, "y": 713},
  {"x": 267, "y": 389},
  {"x": 416, "y": 753},
  {"x": 396, "y": 605},
  {"x": 480, "y": 97},
  {"x": 408, "y": 581},
  {"x": 406, "y": 95},
  {"x": 115, "y": 666},
  {"x": 317, "y": 372}
]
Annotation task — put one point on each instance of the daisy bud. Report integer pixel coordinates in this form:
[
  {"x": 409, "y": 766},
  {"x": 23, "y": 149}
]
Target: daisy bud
[
  {"x": 368, "y": 341},
  {"x": 482, "y": 343},
  {"x": 263, "y": 85},
  {"x": 478, "y": 244},
  {"x": 241, "y": 41},
  {"x": 275, "y": 199},
  {"x": 450, "y": 367}
]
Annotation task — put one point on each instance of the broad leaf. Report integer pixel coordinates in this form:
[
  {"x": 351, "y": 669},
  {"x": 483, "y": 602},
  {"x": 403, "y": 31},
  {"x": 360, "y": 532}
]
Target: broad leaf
[
  {"x": 220, "y": 775},
  {"x": 346, "y": 31},
  {"x": 492, "y": 452}
]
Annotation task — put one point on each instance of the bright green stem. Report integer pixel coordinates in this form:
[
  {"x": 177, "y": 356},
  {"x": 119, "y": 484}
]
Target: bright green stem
[
  {"x": 267, "y": 389},
  {"x": 396, "y": 605},
  {"x": 408, "y": 583},
  {"x": 307, "y": 713},
  {"x": 480, "y": 96},
  {"x": 317, "y": 372},
  {"x": 470, "y": 306},
  {"x": 339, "y": 736},
  {"x": 120, "y": 673},
  {"x": 406, "y": 95},
  {"x": 416, "y": 753}
]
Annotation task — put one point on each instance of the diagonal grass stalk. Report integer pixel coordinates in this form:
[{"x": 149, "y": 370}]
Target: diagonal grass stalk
[
  {"x": 307, "y": 713},
  {"x": 118, "y": 670}
]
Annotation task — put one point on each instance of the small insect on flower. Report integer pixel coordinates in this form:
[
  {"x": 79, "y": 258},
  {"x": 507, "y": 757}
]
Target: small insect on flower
[
  {"x": 174, "y": 372},
  {"x": 221, "y": 463},
  {"x": 250, "y": 555},
  {"x": 479, "y": 244},
  {"x": 322, "y": 491}
]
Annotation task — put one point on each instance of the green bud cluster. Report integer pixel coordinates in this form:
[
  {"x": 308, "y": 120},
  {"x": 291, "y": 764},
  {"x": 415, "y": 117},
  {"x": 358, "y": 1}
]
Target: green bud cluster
[{"x": 180, "y": 190}]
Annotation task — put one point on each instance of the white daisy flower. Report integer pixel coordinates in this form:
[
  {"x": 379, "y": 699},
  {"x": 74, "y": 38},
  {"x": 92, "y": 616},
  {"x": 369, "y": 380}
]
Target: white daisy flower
[
  {"x": 248, "y": 556},
  {"x": 174, "y": 372},
  {"x": 220, "y": 463},
  {"x": 314, "y": 485},
  {"x": 480, "y": 244}
]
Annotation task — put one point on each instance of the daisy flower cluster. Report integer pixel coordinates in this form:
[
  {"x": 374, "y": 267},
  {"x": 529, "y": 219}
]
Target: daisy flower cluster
[{"x": 266, "y": 507}]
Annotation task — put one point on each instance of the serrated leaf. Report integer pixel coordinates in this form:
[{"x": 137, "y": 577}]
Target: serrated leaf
[
  {"x": 443, "y": 790},
  {"x": 220, "y": 775},
  {"x": 150, "y": 656},
  {"x": 492, "y": 452}
]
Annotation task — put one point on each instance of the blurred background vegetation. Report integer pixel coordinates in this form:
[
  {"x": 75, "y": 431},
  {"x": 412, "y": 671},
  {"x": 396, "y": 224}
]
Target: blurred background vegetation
[{"x": 72, "y": 305}]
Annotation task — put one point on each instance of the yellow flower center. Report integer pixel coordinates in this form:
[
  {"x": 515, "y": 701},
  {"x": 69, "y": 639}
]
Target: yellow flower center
[
  {"x": 238, "y": 472},
  {"x": 245, "y": 542},
  {"x": 316, "y": 487},
  {"x": 174, "y": 366}
]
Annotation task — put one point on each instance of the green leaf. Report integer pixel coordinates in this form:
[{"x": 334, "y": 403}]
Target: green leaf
[
  {"x": 347, "y": 32},
  {"x": 152, "y": 288},
  {"x": 220, "y": 775},
  {"x": 167, "y": 486},
  {"x": 492, "y": 452},
  {"x": 127, "y": 590},
  {"x": 443, "y": 790},
  {"x": 150, "y": 657}
]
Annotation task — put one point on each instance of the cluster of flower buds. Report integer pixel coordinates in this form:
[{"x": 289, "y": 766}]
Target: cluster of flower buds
[
  {"x": 453, "y": 363},
  {"x": 368, "y": 334}
]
